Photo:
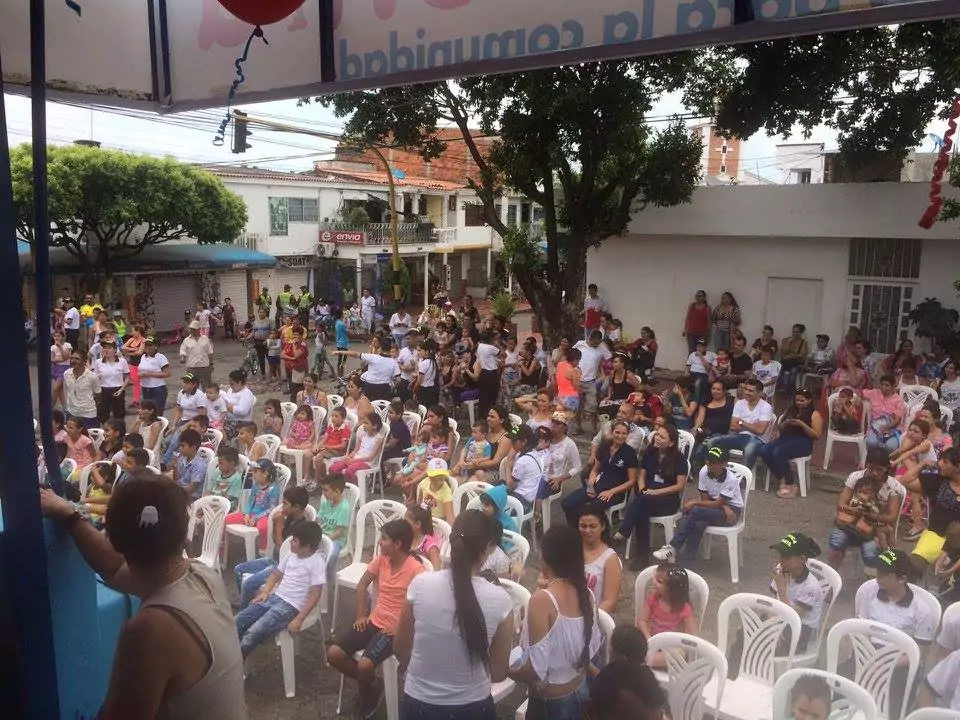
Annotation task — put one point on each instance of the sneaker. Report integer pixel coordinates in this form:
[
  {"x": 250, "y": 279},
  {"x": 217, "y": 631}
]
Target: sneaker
[
  {"x": 665, "y": 554},
  {"x": 309, "y": 485}
]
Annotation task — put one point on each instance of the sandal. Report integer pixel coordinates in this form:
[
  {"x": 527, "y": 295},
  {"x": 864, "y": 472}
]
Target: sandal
[{"x": 787, "y": 492}]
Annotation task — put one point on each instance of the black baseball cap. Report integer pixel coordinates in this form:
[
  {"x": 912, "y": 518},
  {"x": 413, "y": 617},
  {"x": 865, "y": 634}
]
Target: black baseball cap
[
  {"x": 796, "y": 544},
  {"x": 896, "y": 562},
  {"x": 717, "y": 454}
]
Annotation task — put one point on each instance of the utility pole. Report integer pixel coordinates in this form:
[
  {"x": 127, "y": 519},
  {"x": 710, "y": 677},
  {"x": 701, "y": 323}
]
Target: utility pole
[{"x": 247, "y": 120}]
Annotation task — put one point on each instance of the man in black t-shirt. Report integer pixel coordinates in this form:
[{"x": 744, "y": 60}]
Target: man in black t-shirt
[{"x": 741, "y": 364}]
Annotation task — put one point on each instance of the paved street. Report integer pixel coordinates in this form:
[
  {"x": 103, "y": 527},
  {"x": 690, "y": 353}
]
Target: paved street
[{"x": 768, "y": 518}]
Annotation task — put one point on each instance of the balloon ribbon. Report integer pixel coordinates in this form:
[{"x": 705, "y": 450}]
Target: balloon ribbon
[{"x": 936, "y": 182}]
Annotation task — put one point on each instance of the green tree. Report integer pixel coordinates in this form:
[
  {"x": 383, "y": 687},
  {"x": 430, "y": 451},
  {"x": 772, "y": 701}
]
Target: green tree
[
  {"x": 877, "y": 87},
  {"x": 573, "y": 139},
  {"x": 107, "y": 206}
]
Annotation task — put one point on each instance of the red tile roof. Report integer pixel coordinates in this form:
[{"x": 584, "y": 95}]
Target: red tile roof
[{"x": 380, "y": 178}]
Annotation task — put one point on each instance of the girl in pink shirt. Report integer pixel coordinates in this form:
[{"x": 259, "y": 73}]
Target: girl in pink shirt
[
  {"x": 79, "y": 445},
  {"x": 667, "y": 608}
]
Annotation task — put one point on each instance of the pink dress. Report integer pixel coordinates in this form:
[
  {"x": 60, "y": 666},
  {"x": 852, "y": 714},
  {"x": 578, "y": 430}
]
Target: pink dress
[
  {"x": 80, "y": 451},
  {"x": 428, "y": 541},
  {"x": 662, "y": 620},
  {"x": 300, "y": 433}
]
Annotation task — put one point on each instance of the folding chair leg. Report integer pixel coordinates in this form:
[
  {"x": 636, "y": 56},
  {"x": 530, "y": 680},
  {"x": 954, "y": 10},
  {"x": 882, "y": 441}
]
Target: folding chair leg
[
  {"x": 288, "y": 662},
  {"x": 734, "y": 552},
  {"x": 336, "y": 607},
  {"x": 340, "y": 697},
  {"x": 250, "y": 544}
]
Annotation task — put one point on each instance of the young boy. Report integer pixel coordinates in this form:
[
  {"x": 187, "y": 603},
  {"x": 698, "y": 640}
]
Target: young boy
[
  {"x": 274, "y": 346},
  {"x": 247, "y": 444},
  {"x": 290, "y": 594},
  {"x": 131, "y": 441},
  {"x": 216, "y": 406},
  {"x": 333, "y": 443},
  {"x": 190, "y": 469},
  {"x": 795, "y": 585},
  {"x": 334, "y": 518},
  {"x": 810, "y": 699},
  {"x": 822, "y": 360},
  {"x": 134, "y": 466},
  {"x": 225, "y": 480},
  {"x": 720, "y": 504},
  {"x": 393, "y": 570},
  {"x": 767, "y": 370},
  {"x": 292, "y": 513}
]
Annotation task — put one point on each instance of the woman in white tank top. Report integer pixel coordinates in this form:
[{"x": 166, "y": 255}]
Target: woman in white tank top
[
  {"x": 561, "y": 633},
  {"x": 184, "y": 626},
  {"x": 601, "y": 564}
]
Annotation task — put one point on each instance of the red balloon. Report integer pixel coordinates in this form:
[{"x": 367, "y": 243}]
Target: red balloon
[{"x": 261, "y": 12}]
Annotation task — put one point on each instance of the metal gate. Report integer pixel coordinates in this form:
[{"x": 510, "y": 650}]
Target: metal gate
[{"x": 881, "y": 312}]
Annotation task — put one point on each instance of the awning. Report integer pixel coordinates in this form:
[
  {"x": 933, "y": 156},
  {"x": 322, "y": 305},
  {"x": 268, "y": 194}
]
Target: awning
[
  {"x": 163, "y": 258},
  {"x": 447, "y": 249}
]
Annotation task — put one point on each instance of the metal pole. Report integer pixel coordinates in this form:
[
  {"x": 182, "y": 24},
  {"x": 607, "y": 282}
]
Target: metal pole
[{"x": 392, "y": 200}]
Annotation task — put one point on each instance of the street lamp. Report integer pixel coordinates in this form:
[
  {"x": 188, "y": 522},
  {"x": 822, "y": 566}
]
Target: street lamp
[{"x": 248, "y": 120}]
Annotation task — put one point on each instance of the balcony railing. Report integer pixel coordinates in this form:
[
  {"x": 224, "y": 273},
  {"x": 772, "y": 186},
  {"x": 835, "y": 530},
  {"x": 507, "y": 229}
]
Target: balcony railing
[{"x": 407, "y": 233}]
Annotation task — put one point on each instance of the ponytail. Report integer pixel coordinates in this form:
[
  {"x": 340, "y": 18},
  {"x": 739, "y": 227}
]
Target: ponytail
[
  {"x": 562, "y": 551},
  {"x": 473, "y": 533}
]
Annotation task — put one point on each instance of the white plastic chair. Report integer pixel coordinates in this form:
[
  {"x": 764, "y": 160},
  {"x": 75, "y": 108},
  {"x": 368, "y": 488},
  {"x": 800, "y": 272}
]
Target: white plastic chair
[
  {"x": 334, "y": 401},
  {"x": 351, "y": 444},
  {"x": 310, "y": 513},
  {"x": 374, "y": 476},
  {"x": 319, "y": 416},
  {"x": 546, "y": 505},
  {"x": 877, "y": 651},
  {"x": 287, "y": 411},
  {"x": 379, "y": 512},
  {"x": 422, "y": 410},
  {"x": 158, "y": 445},
  {"x": 692, "y": 664},
  {"x": 215, "y": 437},
  {"x": 84, "y": 478},
  {"x": 946, "y": 415},
  {"x": 289, "y": 644},
  {"x": 243, "y": 466},
  {"x": 273, "y": 445},
  {"x": 831, "y": 583},
  {"x": 352, "y": 495},
  {"x": 763, "y": 621},
  {"x": 732, "y": 532},
  {"x": 515, "y": 420},
  {"x": 685, "y": 443},
  {"x": 514, "y": 509},
  {"x": 413, "y": 423},
  {"x": 208, "y": 455},
  {"x": 917, "y": 394},
  {"x": 850, "y": 701},
  {"x": 210, "y": 511},
  {"x": 97, "y": 435},
  {"x": 803, "y": 474},
  {"x": 519, "y": 552},
  {"x": 521, "y": 599},
  {"x": 933, "y": 714},
  {"x": 859, "y": 439},
  {"x": 381, "y": 406},
  {"x": 699, "y": 591},
  {"x": 441, "y": 533},
  {"x": 466, "y": 493}
]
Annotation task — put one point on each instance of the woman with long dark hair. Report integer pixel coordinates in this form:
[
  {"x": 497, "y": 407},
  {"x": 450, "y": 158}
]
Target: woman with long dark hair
[
  {"x": 726, "y": 319},
  {"x": 456, "y": 631},
  {"x": 560, "y": 634},
  {"x": 426, "y": 384},
  {"x": 799, "y": 428},
  {"x": 486, "y": 373},
  {"x": 497, "y": 426},
  {"x": 601, "y": 564},
  {"x": 662, "y": 478},
  {"x": 614, "y": 472}
]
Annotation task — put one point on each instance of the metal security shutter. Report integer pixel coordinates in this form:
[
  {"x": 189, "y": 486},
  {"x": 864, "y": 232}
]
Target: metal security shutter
[
  {"x": 286, "y": 276},
  {"x": 173, "y": 294},
  {"x": 233, "y": 285}
]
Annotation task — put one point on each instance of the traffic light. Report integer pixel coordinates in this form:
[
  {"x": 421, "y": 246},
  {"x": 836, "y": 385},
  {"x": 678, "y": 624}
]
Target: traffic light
[{"x": 240, "y": 133}]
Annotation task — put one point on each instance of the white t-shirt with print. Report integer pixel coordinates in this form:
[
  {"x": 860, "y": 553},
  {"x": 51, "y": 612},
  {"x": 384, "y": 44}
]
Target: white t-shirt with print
[
  {"x": 299, "y": 575},
  {"x": 890, "y": 486},
  {"x": 216, "y": 408},
  {"x": 767, "y": 373},
  {"x": 406, "y": 359},
  {"x": 192, "y": 405},
  {"x": 71, "y": 319},
  {"x": 808, "y": 593},
  {"x": 727, "y": 487},
  {"x": 698, "y": 364},
  {"x": 950, "y": 394},
  {"x": 590, "y": 359},
  {"x": 762, "y": 412}
]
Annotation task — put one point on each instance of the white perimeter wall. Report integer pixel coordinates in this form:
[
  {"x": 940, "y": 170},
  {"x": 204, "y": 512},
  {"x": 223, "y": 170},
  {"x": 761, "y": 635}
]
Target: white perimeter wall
[{"x": 738, "y": 238}]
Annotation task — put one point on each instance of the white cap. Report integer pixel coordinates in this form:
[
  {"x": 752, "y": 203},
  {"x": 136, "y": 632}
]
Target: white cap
[{"x": 437, "y": 466}]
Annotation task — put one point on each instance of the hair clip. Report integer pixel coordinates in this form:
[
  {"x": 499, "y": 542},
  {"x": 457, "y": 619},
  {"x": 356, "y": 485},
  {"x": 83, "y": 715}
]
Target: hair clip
[{"x": 149, "y": 517}]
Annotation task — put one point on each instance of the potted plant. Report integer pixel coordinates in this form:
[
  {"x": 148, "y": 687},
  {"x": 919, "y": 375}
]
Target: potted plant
[{"x": 503, "y": 307}]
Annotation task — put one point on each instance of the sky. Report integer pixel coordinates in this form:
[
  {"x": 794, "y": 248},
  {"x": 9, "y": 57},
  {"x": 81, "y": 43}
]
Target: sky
[{"x": 189, "y": 136}]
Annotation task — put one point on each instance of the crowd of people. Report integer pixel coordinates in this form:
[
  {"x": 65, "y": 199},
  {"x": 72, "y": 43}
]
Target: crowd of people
[{"x": 445, "y": 618}]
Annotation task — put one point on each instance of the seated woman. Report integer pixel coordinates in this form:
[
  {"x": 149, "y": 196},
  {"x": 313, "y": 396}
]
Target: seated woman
[
  {"x": 539, "y": 407},
  {"x": 614, "y": 472},
  {"x": 684, "y": 405},
  {"x": 713, "y": 418},
  {"x": 620, "y": 383},
  {"x": 602, "y": 566},
  {"x": 662, "y": 479},
  {"x": 904, "y": 354},
  {"x": 799, "y": 427},
  {"x": 887, "y": 412},
  {"x": 942, "y": 491}
]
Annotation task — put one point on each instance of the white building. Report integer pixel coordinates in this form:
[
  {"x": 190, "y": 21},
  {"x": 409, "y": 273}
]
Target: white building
[
  {"x": 799, "y": 163},
  {"x": 828, "y": 256}
]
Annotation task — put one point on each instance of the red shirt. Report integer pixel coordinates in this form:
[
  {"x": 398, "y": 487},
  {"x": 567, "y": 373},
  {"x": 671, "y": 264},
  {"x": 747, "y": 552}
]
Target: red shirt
[
  {"x": 299, "y": 351},
  {"x": 335, "y": 437},
  {"x": 698, "y": 320}
]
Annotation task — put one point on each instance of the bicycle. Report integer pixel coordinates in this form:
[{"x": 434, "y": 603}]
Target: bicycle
[{"x": 250, "y": 364}]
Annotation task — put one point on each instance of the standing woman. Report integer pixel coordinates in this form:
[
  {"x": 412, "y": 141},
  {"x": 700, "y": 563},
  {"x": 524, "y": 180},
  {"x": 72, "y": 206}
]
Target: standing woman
[
  {"x": 696, "y": 325},
  {"x": 601, "y": 564},
  {"x": 800, "y": 427},
  {"x": 114, "y": 376},
  {"x": 154, "y": 371},
  {"x": 561, "y": 632},
  {"x": 260, "y": 330},
  {"x": 81, "y": 388},
  {"x": 486, "y": 373},
  {"x": 368, "y": 304},
  {"x": 456, "y": 631},
  {"x": 132, "y": 351},
  {"x": 239, "y": 401},
  {"x": 60, "y": 362},
  {"x": 662, "y": 479},
  {"x": 726, "y": 319},
  {"x": 499, "y": 439},
  {"x": 426, "y": 383}
]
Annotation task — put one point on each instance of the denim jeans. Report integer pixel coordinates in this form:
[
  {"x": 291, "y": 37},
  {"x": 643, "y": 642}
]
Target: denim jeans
[
  {"x": 567, "y": 707},
  {"x": 258, "y": 570},
  {"x": 777, "y": 455},
  {"x": 787, "y": 382},
  {"x": 411, "y": 709},
  {"x": 721, "y": 339},
  {"x": 156, "y": 394},
  {"x": 701, "y": 386},
  {"x": 691, "y": 527},
  {"x": 638, "y": 515},
  {"x": 747, "y": 442},
  {"x": 890, "y": 444},
  {"x": 840, "y": 540},
  {"x": 260, "y": 621},
  {"x": 173, "y": 446}
]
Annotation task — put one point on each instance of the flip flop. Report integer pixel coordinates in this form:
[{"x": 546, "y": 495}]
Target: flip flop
[{"x": 787, "y": 493}]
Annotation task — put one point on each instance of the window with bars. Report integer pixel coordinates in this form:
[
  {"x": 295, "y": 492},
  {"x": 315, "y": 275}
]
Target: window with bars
[
  {"x": 881, "y": 311},
  {"x": 474, "y": 215},
  {"x": 303, "y": 209},
  {"x": 884, "y": 258}
]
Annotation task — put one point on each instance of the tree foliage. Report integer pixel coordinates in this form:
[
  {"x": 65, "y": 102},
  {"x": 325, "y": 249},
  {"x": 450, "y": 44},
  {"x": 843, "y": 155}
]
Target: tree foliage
[
  {"x": 107, "y": 206},
  {"x": 877, "y": 87},
  {"x": 573, "y": 139}
]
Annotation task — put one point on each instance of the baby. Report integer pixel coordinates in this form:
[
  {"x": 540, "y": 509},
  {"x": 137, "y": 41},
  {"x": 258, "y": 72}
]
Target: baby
[
  {"x": 477, "y": 449},
  {"x": 416, "y": 456},
  {"x": 860, "y": 517},
  {"x": 721, "y": 366}
]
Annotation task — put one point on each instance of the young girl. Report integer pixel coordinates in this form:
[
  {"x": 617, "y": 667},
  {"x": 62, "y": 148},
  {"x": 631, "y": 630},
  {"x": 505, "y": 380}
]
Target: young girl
[
  {"x": 369, "y": 440},
  {"x": 435, "y": 492},
  {"x": 915, "y": 449},
  {"x": 424, "y": 542},
  {"x": 302, "y": 436},
  {"x": 113, "y": 433},
  {"x": 436, "y": 448},
  {"x": 60, "y": 362},
  {"x": 99, "y": 491},
  {"x": 478, "y": 448},
  {"x": 273, "y": 417},
  {"x": 59, "y": 426},
  {"x": 147, "y": 424},
  {"x": 274, "y": 346},
  {"x": 264, "y": 498},
  {"x": 847, "y": 413},
  {"x": 79, "y": 445},
  {"x": 667, "y": 608},
  {"x": 416, "y": 456},
  {"x": 320, "y": 359}
]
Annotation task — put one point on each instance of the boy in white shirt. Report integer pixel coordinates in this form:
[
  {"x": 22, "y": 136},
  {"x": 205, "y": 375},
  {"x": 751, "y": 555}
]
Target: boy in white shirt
[
  {"x": 216, "y": 406},
  {"x": 290, "y": 593},
  {"x": 795, "y": 585},
  {"x": 699, "y": 364},
  {"x": 767, "y": 370},
  {"x": 720, "y": 504}
]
